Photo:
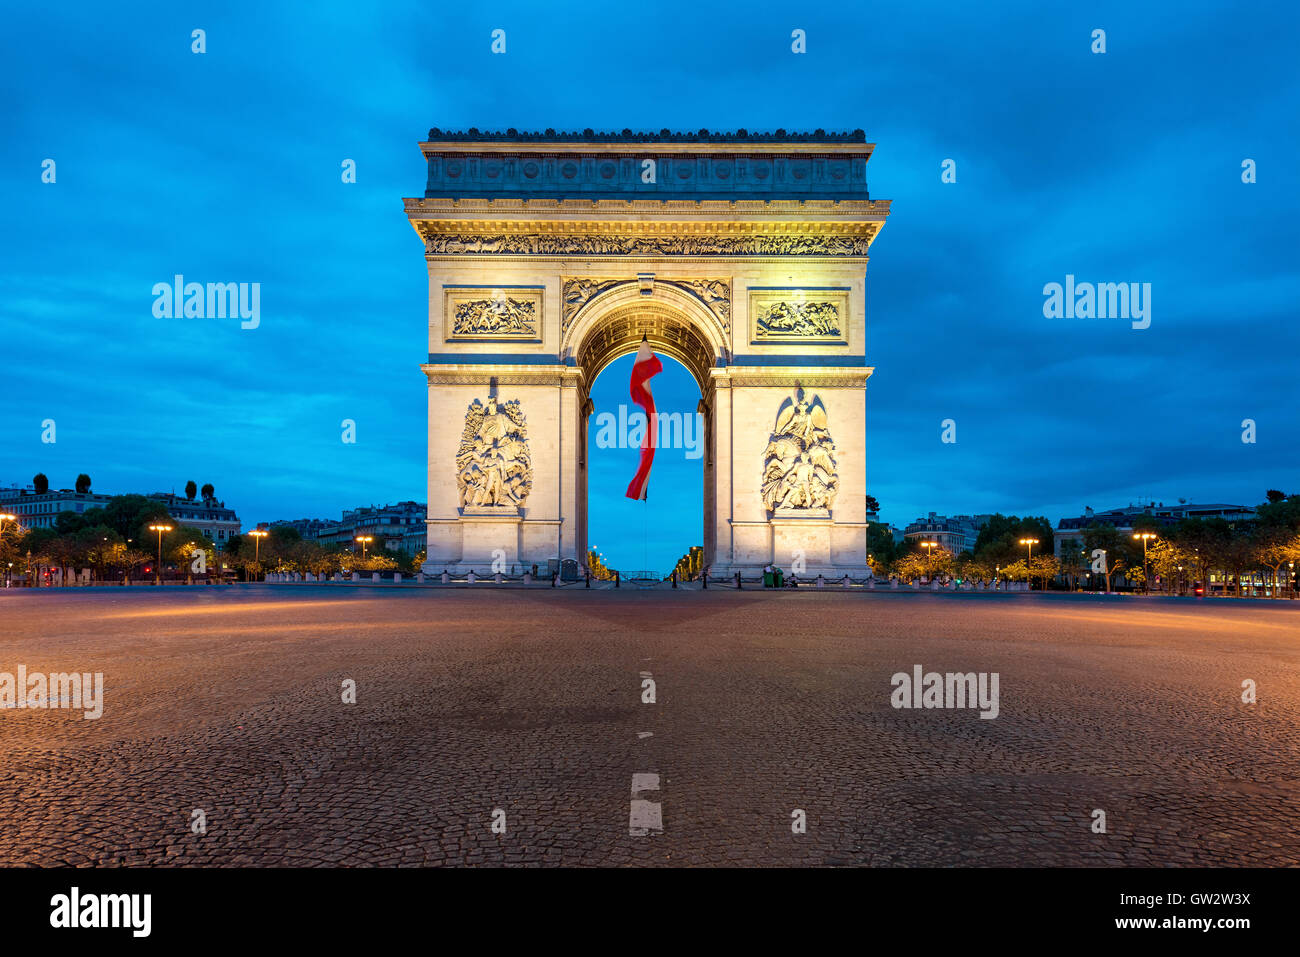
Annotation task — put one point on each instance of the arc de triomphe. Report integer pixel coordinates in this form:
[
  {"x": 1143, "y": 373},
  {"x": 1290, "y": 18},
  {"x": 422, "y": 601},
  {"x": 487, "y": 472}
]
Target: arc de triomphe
[{"x": 743, "y": 256}]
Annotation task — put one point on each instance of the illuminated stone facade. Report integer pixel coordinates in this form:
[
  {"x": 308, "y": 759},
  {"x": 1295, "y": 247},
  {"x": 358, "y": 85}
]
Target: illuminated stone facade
[{"x": 743, "y": 256}]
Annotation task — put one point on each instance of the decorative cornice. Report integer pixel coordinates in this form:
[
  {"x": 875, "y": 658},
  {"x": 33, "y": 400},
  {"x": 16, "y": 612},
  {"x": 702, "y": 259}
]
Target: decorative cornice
[
  {"x": 434, "y": 207},
  {"x": 721, "y": 378},
  {"x": 483, "y": 376},
  {"x": 474, "y": 135},
  {"x": 766, "y": 376}
]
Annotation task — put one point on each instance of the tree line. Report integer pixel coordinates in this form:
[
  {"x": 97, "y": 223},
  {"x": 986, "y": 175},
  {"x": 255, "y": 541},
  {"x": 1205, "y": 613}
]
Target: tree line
[
  {"x": 114, "y": 541},
  {"x": 1180, "y": 555}
]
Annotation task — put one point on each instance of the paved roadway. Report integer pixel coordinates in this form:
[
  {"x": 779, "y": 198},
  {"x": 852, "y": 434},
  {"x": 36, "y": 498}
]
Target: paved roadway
[{"x": 479, "y": 698}]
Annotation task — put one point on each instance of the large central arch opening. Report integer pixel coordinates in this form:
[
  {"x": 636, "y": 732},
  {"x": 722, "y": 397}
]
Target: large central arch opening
[{"x": 648, "y": 536}]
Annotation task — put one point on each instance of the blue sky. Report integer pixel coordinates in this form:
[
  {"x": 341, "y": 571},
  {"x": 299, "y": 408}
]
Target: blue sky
[{"x": 1124, "y": 166}]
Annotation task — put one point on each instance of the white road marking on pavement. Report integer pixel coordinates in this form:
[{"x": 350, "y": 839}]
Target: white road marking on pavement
[{"x": 646, "y": 816}]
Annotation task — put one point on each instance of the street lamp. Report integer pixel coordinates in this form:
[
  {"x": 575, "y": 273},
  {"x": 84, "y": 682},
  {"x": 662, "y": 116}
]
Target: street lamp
[
  {"x": 6, "y": 517},
  {"x": 364, "y": 540},
  {"x": 1145, "y": 536},
  {"x": 1031, "y": 542},
  {"x": 159, "y": 529},
  {"x": 258, "y": 535},
  {"x": 929, "y": 550}
]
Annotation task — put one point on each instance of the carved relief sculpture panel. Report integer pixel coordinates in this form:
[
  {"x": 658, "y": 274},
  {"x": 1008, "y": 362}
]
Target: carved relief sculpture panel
[
  {"x": 578, "y": 291},
  {"x": 494, "y": 470},
  {"x": 799, "y": 470},
  {"x": 629, "y": 243},
  {"x": 491, "y": 315},
  {"x": 798, "y": 316}
]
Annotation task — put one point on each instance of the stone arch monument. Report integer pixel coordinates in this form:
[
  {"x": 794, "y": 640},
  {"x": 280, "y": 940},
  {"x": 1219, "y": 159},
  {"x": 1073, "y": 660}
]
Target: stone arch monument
[{"x": 743, "y": 256}]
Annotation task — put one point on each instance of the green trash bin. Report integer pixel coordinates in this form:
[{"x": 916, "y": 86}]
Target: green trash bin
[
  {"x": 778, "y": 578},
  {"x": 767, "y": 579}
]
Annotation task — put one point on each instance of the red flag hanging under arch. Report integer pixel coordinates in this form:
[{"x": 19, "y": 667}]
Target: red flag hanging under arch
[{"x": 647, "y": 364}]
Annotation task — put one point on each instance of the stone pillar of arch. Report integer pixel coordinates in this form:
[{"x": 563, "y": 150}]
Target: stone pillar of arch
[{"x": 742, "y": 256}]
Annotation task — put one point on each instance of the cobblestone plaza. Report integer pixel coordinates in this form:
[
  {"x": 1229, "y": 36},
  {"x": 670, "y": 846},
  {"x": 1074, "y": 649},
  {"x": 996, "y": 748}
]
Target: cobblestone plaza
[{"x": 530, "y": 704}]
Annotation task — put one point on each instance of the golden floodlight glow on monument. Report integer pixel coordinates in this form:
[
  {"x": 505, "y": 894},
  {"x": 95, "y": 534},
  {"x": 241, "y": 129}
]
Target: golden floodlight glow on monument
[{"x": 741, "y": 255}]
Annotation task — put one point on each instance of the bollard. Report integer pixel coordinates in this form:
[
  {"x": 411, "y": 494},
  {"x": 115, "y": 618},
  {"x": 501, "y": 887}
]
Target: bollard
[
  {"x": 738, "y": 585},
  {"x": 588, "y": 578},
  {"x": 704, "y": 580},
  {"x": 419, "y": 579},
  {"x": 471, "y": 577},
  {"x": 617, "y": 579},
  {"x": 374, "y": 577},
  {"x": 356, "y": 576},
  {"x": 499, "y": 578},
  {"x": 821, "y": 582},
  {"x": 397, "y": 578},
  {"x": 445, "y": 577},
  {"x": 674, "y": 578},
  {"x": 528, "y": 578}
]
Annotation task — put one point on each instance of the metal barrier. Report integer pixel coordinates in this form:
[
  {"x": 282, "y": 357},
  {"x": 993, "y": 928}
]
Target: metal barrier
[{"x": 645, "y": 580}]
